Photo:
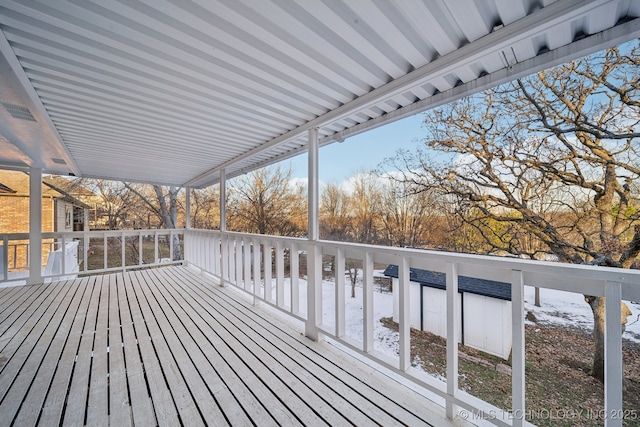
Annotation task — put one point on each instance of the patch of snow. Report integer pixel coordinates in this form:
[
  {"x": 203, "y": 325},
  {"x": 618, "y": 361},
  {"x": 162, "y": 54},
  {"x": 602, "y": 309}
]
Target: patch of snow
[{"x": 570, "y": 309}]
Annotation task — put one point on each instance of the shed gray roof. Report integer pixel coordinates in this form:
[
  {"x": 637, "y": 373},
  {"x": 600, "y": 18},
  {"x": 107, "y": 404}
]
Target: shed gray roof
[{"x": 433, "y": 279}]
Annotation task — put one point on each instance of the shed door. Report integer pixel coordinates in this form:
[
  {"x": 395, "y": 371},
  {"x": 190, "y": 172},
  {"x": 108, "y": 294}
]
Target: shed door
[{"x": 487, "y": 324}]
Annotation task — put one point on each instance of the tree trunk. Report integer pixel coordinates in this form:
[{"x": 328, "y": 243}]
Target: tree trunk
[
  {"x": 597, "y": 307},
  {"x": 537, "y": 298}
]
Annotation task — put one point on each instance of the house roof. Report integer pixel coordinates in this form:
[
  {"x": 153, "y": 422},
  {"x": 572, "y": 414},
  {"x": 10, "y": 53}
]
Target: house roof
[
  {"x": 173, "y": 92},
  {"x": 433, "y": 279},
  {"x": 17, "y": 183}
]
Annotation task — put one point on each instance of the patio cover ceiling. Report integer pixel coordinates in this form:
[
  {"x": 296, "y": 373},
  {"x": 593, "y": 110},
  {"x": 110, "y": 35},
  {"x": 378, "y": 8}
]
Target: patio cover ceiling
[{"x": 171, "y": 91}]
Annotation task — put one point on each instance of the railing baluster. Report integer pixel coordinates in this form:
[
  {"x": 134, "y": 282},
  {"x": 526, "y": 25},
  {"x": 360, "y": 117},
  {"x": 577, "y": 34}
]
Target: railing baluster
[
  {"x": 140, "y": 251},
  {"x": 256, "y": 269},
  {"x": 171, "y": 244},
  {"x": 123, "y": 251},
  {"x": 63, "y": 251},
  {"x": 238, "y": 259},
  {"x": 5, "y": 257},
  {"x": 279, "y": 274},
  {"x": 613, "y": 355},
  {"x": 404, "y": 314},
  {"x": 294, "y": 272},
  {"x": 231, "y": 242},
  {"x": 104, "y": 250},
  {"x": 367, "y": 302},
  {"x": 517, "y": 347},
  {"x": 453, "y": 317},
  {"x": 224, "y": 260},
  {"x": 339, "y": 291},
  {"x": 246, "y": 245},
  {"x": 268, "y": 286},
  {"x": 216, "y": 241},
  {"x": 85, "y": 240}
]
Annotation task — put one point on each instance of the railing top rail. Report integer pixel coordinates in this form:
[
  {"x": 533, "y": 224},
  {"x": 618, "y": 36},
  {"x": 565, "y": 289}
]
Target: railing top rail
[{"x": 495, "y": 265}]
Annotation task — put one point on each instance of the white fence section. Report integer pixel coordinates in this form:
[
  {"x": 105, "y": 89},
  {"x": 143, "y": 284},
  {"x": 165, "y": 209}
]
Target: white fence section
[
  {"x": 269, "y": 267},
  {"x": 90, "y": 252}
]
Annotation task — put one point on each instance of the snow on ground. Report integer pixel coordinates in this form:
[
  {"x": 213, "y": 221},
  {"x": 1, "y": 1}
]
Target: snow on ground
[
  {"x": 570, "y": 309},
  {"x": 385, "y": 340},
  {"x": 558, "y": 307}
]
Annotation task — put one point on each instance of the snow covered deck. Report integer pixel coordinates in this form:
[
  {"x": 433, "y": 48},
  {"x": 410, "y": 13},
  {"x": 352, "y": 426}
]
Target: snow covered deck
[{"x": 169, "y": 347}]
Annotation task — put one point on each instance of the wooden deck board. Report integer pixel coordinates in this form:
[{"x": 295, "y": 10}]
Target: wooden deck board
[
  {"x": 44, "y": 345},
  {"x": 331, "y": 379},
  {"x": 54, "y": 404},
  {"x": 166, "y": 413},
  {"x": 168, "y": 347},
  {"x": 38, "y": 390}
]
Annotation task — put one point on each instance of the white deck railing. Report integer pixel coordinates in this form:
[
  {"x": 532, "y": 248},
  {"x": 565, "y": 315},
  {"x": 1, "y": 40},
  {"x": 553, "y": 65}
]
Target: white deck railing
[
  {"x": 248, "y": 261},
  {"x": 98, "y": 252}
]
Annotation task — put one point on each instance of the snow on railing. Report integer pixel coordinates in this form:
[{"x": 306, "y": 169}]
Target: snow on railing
[
  {"x": 287, "y": 274},
  {"x": 97, "y": 252}
]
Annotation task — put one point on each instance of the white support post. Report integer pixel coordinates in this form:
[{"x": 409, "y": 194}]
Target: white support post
[
  {"x": 404, "y": 318},
  {"x": 35, "y": 226},
  {"x": 452, "y": 338},
  {"x": 223, "y": 200},
  {"x": 314, "y": 252},
  {"x": 613, "y": 374},
  {"x": 279, "y": 274},
  {"x": 314, "y": 292},
  {"x": 518, "y": 348},
  {"x": 340, "y": 289},
  {"x": 367, "y": 303},
  {"x": 313, "y": 186},
  {"x": 294, "y": 272}
]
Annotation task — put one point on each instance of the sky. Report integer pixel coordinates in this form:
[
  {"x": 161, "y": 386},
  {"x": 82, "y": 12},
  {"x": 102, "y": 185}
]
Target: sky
[{"x": 363, "y": 152}]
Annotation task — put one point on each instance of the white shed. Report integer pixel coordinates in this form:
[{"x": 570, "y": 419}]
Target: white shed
[{"x": 484, "y": 307}]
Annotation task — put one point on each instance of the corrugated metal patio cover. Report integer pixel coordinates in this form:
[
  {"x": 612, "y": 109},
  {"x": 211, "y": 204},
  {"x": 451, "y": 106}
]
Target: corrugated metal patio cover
[{"x": 169, "y": 91}]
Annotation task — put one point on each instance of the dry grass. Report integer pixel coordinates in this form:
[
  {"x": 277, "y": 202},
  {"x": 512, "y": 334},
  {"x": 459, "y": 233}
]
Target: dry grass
[{"x": 559, "y": 388}]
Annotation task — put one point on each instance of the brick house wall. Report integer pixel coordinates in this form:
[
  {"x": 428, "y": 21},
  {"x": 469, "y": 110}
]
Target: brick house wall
[{"x": 14, "y": 218}]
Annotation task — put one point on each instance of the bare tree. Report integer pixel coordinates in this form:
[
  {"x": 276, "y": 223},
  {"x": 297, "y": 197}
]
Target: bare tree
[
  {"x": 365, "y": 208},
  {"x": 407, "y": 215},
  {"x": 552, "y": 157},
  {"x": 205, "y": 208},
  {"x": 266, "y": 202},
  {"x": 163, "y": 202},
  {"x": 115, "y": 203}
]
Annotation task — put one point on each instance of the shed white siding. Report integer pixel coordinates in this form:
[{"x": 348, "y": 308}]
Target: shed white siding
[{"x": 485, "y": 322}]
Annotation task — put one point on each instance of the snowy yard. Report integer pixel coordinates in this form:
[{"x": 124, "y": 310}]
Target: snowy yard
[
  {"x": 558, "y": 308},
  {"x": 564, "y": 308}
]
